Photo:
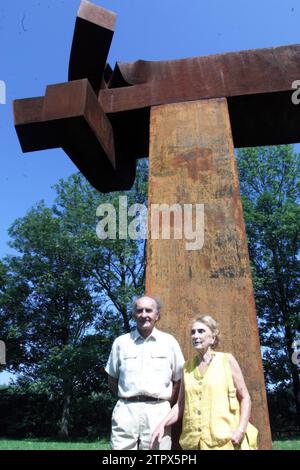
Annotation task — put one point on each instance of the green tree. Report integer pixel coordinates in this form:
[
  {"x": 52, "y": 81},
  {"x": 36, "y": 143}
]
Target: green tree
[
  {"x": 66, "y": 290},
  {"x": 58, "y": 309},
  {"x": 13, "y": 294},
  {"x": 116, "y": 266},
  {"x": 269, "y": 182}
]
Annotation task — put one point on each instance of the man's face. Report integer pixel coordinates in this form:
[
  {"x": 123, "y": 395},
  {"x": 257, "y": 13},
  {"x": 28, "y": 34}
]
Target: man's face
[{"x": 145, "y": 315}]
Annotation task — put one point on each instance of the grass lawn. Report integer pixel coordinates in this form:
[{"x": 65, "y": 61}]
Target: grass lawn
[
  {"x": 286, "y": 444},
  {"x": 47, "y": 444}
]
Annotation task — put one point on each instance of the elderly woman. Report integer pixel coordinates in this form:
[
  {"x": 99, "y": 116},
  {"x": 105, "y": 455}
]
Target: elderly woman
[{"x": 213, "y": 398}]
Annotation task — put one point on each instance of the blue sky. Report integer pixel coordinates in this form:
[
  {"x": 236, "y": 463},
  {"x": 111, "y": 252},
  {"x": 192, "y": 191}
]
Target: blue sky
[{"x": 35, "y": 41}]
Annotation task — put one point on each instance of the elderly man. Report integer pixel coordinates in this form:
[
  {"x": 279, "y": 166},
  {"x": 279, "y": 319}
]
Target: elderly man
[{"x": 144, "y": 370}]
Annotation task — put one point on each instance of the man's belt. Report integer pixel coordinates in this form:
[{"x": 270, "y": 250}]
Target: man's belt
[{"x": 142, "y": 398}]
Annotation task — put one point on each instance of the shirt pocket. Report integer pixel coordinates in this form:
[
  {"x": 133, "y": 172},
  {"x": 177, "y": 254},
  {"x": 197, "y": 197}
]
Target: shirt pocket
[
  {"x": 160, "y": 360},
  {"x": 130, "y": 361}
]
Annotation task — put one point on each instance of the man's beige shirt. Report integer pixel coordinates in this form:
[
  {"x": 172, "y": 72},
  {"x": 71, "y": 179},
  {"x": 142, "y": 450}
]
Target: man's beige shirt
[{"x": 145, "y": 366}]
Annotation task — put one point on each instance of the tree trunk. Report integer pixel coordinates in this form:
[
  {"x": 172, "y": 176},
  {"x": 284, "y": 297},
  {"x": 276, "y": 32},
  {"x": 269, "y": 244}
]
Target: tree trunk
[{"x": 65, "y": 419}]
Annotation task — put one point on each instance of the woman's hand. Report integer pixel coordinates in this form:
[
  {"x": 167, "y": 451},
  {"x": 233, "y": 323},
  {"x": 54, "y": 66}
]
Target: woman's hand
[
  {"x": 237, "y": 436},
  {"x": 157, "y": 434}
]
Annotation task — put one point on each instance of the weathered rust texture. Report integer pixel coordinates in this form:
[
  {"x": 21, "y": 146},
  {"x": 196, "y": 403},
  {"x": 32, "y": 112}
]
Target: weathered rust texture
[
  {"x": 93, "y": 33},
  {"x": 192, "y": 161},
  {"x": 69, "y": 116},
  {"x": 257, "y": 84},
  {"x": 240, "y": 73}
]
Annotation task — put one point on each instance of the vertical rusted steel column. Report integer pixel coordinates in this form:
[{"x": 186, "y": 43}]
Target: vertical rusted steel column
[{"x": 192, "y": 161}]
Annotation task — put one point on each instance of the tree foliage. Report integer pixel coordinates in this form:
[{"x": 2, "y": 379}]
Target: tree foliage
[
  {"x": 63, "y": 292},
  {"x": 270, "y": 188}
]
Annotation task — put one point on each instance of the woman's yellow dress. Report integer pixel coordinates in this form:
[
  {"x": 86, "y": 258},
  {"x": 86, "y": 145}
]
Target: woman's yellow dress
[{"x": 208, "y": 420}]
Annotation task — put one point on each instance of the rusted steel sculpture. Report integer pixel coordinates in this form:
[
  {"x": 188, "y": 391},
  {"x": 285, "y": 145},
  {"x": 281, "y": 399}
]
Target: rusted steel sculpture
[
  {"x": 193, "y": 112},
  {"x": 101, "y": 117}
]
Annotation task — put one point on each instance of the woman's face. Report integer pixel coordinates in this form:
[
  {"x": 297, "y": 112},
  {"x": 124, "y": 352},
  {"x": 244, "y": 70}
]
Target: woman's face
[{"x": 202, "y": 336}]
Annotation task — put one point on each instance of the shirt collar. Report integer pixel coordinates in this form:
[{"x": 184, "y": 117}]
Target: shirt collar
[{"x": 136, "y": 335}]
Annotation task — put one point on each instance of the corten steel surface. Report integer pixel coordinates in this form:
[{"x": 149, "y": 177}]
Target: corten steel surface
[
  {"x": 94, "y": 29},
  {"x": 192, "y": 161},
  {"x": 86, "y": 135},
  {"x": 230, "y": 74},
  {"x": 257, "y": 84},
  {"x": 101, "y": 119}
]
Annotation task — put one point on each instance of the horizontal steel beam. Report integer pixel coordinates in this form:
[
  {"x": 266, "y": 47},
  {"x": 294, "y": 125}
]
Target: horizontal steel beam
[
  {"x": 222, "y": 75},
  {"x": 69, "y": 116},
  {"x": 101, "y": 117}
]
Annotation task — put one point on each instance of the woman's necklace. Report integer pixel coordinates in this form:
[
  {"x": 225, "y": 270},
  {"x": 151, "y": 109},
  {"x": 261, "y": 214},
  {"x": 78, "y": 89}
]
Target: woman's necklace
[{"x": 206, "y": 360}]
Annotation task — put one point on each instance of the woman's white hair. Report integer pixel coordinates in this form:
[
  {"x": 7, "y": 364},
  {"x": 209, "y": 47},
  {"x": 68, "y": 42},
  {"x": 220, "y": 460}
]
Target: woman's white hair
[{"x": 211, "y": 323}]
